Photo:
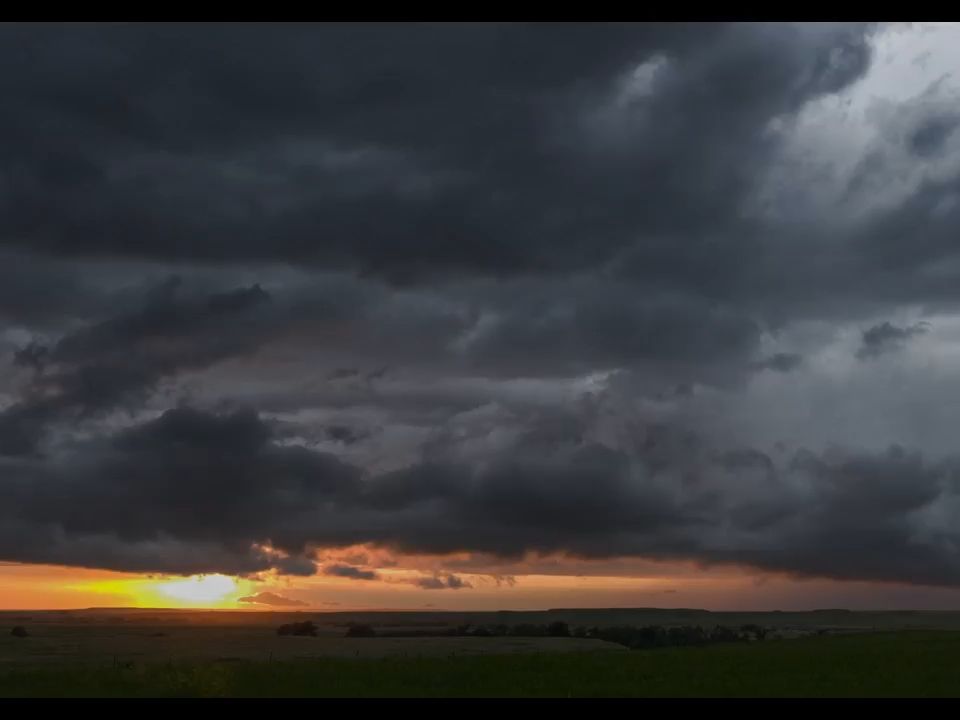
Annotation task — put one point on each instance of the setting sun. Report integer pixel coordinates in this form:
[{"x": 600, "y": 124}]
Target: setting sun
[
  {"x": 203, "y": 589},
  {"x": 214, "y": 591}
]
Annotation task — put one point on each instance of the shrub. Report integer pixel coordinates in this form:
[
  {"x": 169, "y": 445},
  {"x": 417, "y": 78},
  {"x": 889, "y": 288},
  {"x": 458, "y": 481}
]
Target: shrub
[
  {"x": 558, "y": 629},
  {"x": 298, "y": 628},
  {"x": 356, "y": 630},
  {"x": 528, "y": 630}
]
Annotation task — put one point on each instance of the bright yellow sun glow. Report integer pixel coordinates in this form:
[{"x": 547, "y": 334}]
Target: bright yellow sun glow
[
  {"x": 197, "y": 591},
  {"x": 201, "y": 589}
]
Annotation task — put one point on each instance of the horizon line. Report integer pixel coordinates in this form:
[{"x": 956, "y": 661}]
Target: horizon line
[{"x": 129, "y": 608}]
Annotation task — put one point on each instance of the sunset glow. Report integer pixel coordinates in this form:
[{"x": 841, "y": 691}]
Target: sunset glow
[
  {"x": 202, "y": 589},
  {"x": 104, "y": 589},
  {"x": 556, "y": 338}
]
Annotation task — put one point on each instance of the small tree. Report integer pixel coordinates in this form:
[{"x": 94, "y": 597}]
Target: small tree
[
  {"x": 558, "y": 629},
  {"x": 356, "y": 630},
  {"x": 528, "y": 630},
  {"x": 756, "y": 630},
  {"x": 721, "y": 634},
  {"x": 298, "y": 628}
]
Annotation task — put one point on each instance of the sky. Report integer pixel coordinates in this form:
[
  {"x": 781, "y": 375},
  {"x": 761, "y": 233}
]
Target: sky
[{"x": 480, "y": 316}]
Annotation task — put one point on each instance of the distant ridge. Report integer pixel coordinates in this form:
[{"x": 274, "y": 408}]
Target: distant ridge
[{"x": 631, "y": 609}]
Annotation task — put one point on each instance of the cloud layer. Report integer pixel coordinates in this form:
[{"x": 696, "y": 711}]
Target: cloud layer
[
  {"x": 192, "y": 492},
  {"x": 670, "y": 291},
  {"x": 271, "y": 599}
]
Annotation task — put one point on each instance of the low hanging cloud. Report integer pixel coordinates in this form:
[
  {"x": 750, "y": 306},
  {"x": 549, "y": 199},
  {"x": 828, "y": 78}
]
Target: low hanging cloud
[
  {"x": 441, "y": 581},
  {"x": 886, "y": 337},
  {"x": 118, "y": 362},
  {"x": 272, "y": 600},
  {"x": 349, "y": 571},
  {"x": 200, "y": 491},
  {"x": 504, "y": 289},
  {"x": 780, "y": 362}
]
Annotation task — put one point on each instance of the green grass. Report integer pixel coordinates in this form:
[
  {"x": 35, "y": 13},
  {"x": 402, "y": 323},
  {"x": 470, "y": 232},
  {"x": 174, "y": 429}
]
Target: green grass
[
  {"x": 65, "y": 644},
  {"x": 898, "y": 664}
]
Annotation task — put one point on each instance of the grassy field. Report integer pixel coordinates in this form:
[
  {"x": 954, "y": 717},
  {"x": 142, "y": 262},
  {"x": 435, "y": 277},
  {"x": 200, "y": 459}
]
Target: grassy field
[
  {"x": 64, "y": 643},
  {"x": 120, "y": 635},
  {"x": 894, "y": 664},
  {"x": 334, "y": 623},
  {"x": 161, "y": 653}
]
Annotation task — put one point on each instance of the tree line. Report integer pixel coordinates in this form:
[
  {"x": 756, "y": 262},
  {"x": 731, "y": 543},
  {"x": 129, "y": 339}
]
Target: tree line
[{"x": 648, "y": 636}]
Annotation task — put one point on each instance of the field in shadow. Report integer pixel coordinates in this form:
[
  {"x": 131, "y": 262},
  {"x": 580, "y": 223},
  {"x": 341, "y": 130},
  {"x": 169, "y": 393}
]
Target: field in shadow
[{"x": 890, "y": 664}]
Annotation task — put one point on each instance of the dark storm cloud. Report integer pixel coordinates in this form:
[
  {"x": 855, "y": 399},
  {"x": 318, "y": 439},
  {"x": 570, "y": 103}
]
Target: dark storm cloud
[
  {"x": 120, "y": 360},
  {"x": 780, "y": 362},
  {"x": 929, "y": 138},
  {"x": 349, "y": 571},
  {"x": 476, "y": 145},
  {"x": 163, "y": 111},
  {"x": 904, "y": 252},
  {"x": 505, "y": 202},
  {"x": 271, "y": 599},
  {"x": 170, "y": 493},
  {"x": 202, "y": 493},
  {"x": 35, "y": 290},
  {"x": 344, "y": 434},
  {"x": 910, "y": 250},
  {"x": 442, "y": 581},
  {"x": 887, "y": 337},
  {"x": 539, "y": 328},
  {"x": 460, "y": 151},
  {"x": 294, "y": 565}
]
